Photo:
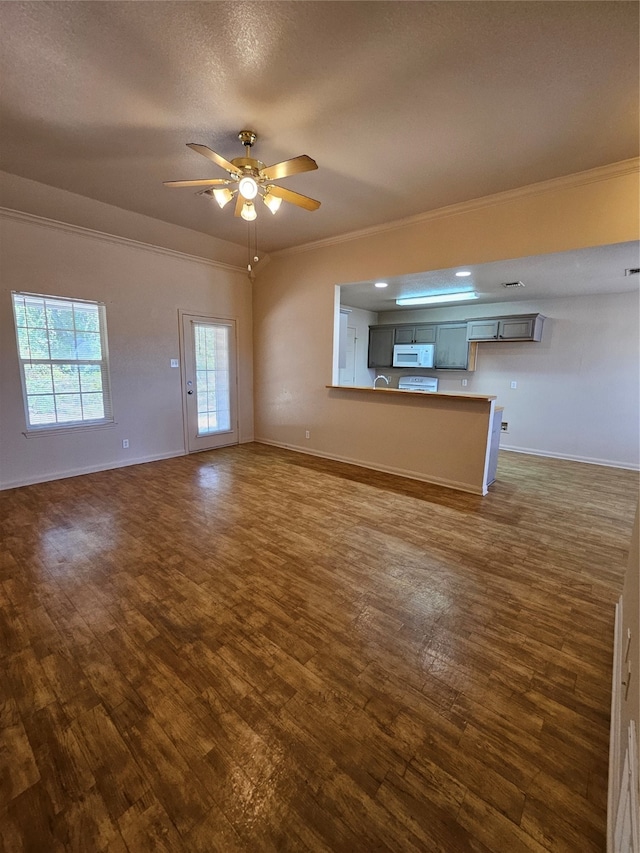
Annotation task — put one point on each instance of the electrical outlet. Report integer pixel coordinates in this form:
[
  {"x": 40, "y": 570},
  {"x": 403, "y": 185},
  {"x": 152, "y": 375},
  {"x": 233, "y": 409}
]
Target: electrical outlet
[
  {"x": 125, "y": 443},
  {"x": 175, "y": 362},
  {"x": 307, "y": 434},
  {"x": 504, "y": 426},
  {"x": 514, "y": 385},
  {"x": 464, "y": 382}
]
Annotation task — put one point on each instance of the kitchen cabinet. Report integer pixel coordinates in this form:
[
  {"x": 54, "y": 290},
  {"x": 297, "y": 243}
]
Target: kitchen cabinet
[
  {"x": 451, "y": 352},
  {"x": 452, "y": 347},
  {"x": 381, "y": 340},
  {"x": 519, "y": 327},
  {"x": 456, "y": 341},
  {"x": 422, "y": 334}
]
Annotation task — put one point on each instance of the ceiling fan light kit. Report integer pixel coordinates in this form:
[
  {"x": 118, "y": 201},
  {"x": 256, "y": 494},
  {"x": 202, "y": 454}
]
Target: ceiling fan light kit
[
  {"x": 252, "y": 178},
  {"x": 248, "y": 211},
  {"x": 222, "y": 196},
  {"x": 248, "y": 188},
  {"x": 272, "y": 202}
]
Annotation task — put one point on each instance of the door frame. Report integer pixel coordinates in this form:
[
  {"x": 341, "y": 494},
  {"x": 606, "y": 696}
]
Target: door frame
[{"x": 182, "y": 313}]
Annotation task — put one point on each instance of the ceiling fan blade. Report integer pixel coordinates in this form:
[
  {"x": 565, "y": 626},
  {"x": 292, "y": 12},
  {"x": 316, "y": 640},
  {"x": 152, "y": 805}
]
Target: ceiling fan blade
[
  {"x": 239, "y": 205},
  {"x": 218, "y": 182},
  {"x": 295, "y": 198},
  {"x": 211, "y": 155},
  {"x": 289, "y": 167}
]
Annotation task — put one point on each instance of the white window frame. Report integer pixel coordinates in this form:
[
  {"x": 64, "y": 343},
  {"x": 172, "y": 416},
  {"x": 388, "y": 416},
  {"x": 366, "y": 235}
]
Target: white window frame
[{"x": 63, "y": 426}]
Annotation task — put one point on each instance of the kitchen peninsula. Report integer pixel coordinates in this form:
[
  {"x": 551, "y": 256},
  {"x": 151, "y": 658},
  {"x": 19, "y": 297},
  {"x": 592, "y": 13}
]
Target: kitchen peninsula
[{"x": 445, "y": 438}]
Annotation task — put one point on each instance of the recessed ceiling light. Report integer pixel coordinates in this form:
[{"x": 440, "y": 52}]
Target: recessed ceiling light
[
  {"x": 381, "y": 284},
  {"x": 463, "y": 273},
  {"x": 440, "y": 297}
]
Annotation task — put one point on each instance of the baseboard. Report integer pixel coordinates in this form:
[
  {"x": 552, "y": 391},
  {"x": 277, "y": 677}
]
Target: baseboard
[
  {"x": 385, "y": 469},
  {"x": 90, "y": 469},
  {"x": 607, "y": 463}
]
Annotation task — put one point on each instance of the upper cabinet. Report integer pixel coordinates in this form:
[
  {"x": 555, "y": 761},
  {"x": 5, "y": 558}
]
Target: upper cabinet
[
  {"x": 422, "y": 334},
  {"x": 381, "y": 340},
  {"x": 452, "y": 347},
  {"x": 456, "y": 342},
  {"x": 451, "y": 352},
  {"x": 519, "y": 327}
]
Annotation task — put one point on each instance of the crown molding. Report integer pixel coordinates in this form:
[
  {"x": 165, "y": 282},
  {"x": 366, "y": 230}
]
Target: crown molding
[
  {"x": 578, "y": 179},
  {"x": 34, "y": 219}
]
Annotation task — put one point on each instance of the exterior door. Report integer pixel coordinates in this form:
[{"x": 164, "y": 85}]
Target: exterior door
[{"x": 209, "y": 382}]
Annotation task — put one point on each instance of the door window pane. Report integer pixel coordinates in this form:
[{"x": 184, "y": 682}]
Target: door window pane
[{"x": 212, "y": 378}]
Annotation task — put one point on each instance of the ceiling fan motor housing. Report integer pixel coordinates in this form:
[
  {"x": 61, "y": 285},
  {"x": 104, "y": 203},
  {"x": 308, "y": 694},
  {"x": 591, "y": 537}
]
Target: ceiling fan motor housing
[{"x": 248, "y": 166}]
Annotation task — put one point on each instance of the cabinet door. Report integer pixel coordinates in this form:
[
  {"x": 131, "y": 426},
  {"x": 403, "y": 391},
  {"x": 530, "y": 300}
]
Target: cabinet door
[
  {"x": 516, "y": 329},
  {"x": 404, "y": 334},
  {"x": 452, "y": 347},
  {"x": 482, "y": 330},
  {"x": 425, "y": 334},
  {"x": 381, "y": 346}
]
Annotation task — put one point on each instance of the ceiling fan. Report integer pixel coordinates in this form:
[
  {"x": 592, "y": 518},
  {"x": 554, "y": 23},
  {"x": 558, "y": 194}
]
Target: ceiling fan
[{"x": 249, "y": 178}]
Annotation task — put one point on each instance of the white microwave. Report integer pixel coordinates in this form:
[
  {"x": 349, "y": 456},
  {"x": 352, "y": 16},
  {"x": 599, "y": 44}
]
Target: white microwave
[{"x": 413, "y": 355}]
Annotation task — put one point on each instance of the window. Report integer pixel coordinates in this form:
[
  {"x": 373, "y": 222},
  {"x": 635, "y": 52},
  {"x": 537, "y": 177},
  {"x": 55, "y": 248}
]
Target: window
[
  {"x": 62, "y": 348},
  {"x": 212, "y": 377}
]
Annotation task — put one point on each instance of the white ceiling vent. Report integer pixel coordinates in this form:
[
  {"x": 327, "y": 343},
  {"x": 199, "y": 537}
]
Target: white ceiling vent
[
  {"x": 632, "y": 271},
  {"x": 509, "y": 284}
]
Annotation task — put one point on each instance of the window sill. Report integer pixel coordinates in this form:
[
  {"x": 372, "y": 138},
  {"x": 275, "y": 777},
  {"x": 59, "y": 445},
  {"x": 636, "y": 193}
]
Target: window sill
[{"x": 36, "y": 433}]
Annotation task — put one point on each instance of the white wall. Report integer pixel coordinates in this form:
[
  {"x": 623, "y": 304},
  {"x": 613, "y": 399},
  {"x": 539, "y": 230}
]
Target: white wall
[
  {"x": 577, "y": 392},
  {"x": 143, "y": 290},
  {"x": 360, "y": 320}
]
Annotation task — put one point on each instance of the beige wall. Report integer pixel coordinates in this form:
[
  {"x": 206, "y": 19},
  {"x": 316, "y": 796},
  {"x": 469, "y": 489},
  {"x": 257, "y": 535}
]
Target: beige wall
[
  {"x": 143, "y": 290},
  {"x": 294, "y": 298},
  {"x": 21, "y": 194},
  {"x": 294, "y": 302}
]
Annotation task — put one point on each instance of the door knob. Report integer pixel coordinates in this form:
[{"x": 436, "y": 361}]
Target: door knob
[{"x": 189, "y": 391}]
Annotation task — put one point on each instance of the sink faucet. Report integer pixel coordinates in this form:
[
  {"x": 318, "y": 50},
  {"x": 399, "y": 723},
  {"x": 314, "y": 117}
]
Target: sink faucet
[{"x": 380, "y": 377}]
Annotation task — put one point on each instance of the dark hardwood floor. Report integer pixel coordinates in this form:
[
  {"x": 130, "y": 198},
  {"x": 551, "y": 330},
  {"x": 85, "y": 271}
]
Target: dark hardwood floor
[{"x": 256, "y": 650}]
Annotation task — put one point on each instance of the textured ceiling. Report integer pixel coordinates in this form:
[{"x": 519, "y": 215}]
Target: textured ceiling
[
  {"x": 405, "y": 106},
  {"x": 581, "y": 272}
]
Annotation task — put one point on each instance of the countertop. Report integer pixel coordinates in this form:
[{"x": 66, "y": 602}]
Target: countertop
[{"x": 455, "y": 394}]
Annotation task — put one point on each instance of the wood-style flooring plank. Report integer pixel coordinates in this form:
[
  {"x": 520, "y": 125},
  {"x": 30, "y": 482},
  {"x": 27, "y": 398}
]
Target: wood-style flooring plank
[{"x": 252, "y": 650}]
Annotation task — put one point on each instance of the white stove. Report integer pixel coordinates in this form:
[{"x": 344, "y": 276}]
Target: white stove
[{"x": 426, "y": 384}]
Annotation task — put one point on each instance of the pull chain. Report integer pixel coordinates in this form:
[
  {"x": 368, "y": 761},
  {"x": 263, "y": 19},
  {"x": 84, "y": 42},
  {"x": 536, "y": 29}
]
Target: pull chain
[{"x": 252, "y": 252}]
